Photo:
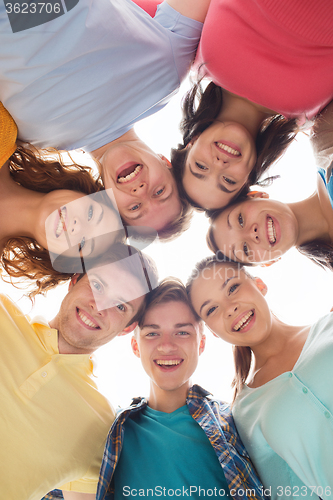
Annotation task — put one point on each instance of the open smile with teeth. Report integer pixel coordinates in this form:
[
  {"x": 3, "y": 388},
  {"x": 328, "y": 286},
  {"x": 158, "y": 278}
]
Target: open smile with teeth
[
  {"x": 87, "y": 321},
  {"x": 130, "y": 173},
  {"x": 61, "y": 226},
  {"x": 228, "y": 149},
  {"x": 168, "y": 362},
  {"x": 271, "y": 231},
  {"x": 242, "y": 323}
]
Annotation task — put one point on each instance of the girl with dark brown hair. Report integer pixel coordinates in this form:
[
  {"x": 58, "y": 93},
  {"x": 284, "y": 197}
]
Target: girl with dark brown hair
[{"x": 228, "y": 143}]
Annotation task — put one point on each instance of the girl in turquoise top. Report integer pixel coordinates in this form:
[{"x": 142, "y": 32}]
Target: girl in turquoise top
[{"x": 283, "y": 400}]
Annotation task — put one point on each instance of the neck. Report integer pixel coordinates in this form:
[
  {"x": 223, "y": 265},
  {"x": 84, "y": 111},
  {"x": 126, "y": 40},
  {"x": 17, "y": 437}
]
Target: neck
[
  {"x": 18, "y": 208},
  {"x": 241, "y": 110},
  {"x": 312, "y": 223},
  {"x": 168, "y": 401},
  {"x": 275, "y": 343}
]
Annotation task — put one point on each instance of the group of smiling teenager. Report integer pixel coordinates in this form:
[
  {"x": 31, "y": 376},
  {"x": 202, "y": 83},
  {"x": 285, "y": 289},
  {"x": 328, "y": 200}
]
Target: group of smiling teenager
[{"x": 82, "y": 80}]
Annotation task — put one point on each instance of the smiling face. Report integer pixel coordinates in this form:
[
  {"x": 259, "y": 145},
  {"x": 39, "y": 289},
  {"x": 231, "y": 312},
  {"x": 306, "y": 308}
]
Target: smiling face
[
  {"x": 232, "y": 305},
  {"x": 82, "y": 327},
  {"x": 218, "y": 164},
  {"x": 143, "y": 184},
  {"x": 255, "y": 230},
  {"x": 73, "y": 221},
  {"x": 169, "y": 344}
]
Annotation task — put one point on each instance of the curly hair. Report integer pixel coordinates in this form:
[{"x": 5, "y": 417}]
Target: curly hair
[
  {"x": 24, "y": 257},
  {"x": 274, "y": 136}
]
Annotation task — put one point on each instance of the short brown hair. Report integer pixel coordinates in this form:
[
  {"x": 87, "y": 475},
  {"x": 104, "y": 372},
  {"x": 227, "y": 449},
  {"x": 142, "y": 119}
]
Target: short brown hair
[{"x": 170, "y": 289}]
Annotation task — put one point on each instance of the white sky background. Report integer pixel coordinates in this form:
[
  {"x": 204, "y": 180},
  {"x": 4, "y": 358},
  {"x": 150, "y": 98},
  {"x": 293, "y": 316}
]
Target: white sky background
[{"x": 299, "y": 292}]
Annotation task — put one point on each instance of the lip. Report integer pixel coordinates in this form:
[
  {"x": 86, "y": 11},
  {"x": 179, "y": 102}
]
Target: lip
[
  {"x": 277, "y": 230},
  {"x": 89, "y": 317},
  {"x": 171, "y": 369},
  {"x": 249, "y": 324},
  {"x": 230, "y": 145},
  {"x": 124, "y": 167},
  {"x": 57, "y": 219}
]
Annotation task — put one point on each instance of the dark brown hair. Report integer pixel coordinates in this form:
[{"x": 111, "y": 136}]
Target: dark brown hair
[
  {"x": 274, "y": 136},
  {"x": 170, "y": 289},
  {"x": 24, "y": 257},
  {"x": 320, "y": 252}
]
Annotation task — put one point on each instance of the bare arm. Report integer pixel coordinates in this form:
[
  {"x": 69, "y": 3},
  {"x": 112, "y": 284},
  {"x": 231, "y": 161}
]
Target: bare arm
[
  {"x": 195, "y": 9},
  {"x": 73, "y": 495},
  {"x": 322, "y": 139}
]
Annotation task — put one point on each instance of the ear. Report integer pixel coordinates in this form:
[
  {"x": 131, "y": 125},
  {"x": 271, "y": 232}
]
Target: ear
[
  {"x": 73, "y": 281},
  {"x": 202, "y": 344},
  {"x": 271, "y": 262},
  {"x": 192, "y": 141},
  {"x": 135, "y": 347},
  {"x": 166, "y": 161},
  {"x": 128, "y": 329},
  {"x": 257, "y": 194},
  {"x": 261, "y": 285}
]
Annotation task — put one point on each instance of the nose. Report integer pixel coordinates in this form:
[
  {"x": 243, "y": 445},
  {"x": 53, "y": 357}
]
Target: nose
[
  {"x": 254, "y": 233},
  {"x": 219, "y": 161},
  {"x": 75, "y": 226},
  {"x": 140, "y": 189},
  {"x": 231, "y": 309},
  {"x": 166, "y": 347},
  {"x": 94, "y": 309}
]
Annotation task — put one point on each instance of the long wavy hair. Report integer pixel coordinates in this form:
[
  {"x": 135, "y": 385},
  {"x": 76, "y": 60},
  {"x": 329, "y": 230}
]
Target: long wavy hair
[
  {"x": 200, "y": 110},
  {"x": 24, "y": 258}
]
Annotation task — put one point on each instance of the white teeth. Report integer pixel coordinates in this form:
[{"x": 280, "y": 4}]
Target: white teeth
[
  {"x": 169, "y": 362},
  {"x": 271, "y": 230},
  {"x": 244, "y": 321},
  {"x": 130, "y": 176},
  {"x": 86, "y": 320},
  {"x": 228, "y": 149},
  {"x": 61, "y": 222}
]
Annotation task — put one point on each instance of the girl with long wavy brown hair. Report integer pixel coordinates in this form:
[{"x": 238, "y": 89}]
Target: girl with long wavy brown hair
[{"x": 33, "y": 188}]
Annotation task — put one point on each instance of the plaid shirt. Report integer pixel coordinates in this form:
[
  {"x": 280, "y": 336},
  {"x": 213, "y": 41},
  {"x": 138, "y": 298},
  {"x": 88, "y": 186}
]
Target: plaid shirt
[{"x": 215, "y": 418}]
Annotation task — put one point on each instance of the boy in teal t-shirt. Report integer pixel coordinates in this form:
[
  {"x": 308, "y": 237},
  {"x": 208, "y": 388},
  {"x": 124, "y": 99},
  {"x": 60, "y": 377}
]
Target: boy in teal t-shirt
[{"x": 180, "y": 442}]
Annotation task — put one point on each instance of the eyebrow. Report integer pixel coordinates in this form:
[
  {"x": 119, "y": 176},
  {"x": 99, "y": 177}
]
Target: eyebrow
[
  {"x": 144, "y": 212},
  {"x": 222, "y": 288},
  {"x": 233, "y": 247},
  {"x": 204, "y": 178},
  {"x": 158, "y": 327},
  {"x": 228, "y": 221}
]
